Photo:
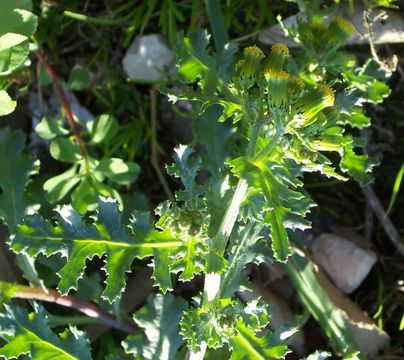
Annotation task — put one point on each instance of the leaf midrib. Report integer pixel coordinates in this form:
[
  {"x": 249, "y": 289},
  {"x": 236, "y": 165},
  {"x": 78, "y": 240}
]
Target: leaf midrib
[{"x": 110, "y": 243}]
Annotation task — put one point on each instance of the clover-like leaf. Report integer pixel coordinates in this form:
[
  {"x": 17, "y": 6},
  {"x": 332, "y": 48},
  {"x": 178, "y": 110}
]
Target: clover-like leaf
[
  {"x": 7, "y": 104},
  {"x": 17, "y": 26}
]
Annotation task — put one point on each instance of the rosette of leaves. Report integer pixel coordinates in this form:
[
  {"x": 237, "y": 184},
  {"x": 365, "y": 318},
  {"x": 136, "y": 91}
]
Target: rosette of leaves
[
  {"x": 88, "y": 177},
  {"x": 17, "y": 26}
]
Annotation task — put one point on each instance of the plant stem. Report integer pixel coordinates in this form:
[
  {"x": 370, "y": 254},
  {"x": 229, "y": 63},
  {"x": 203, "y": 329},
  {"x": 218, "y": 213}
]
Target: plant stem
[
  {"x": 98, "y": 21},
  {"x": 56, "y": 320},
  {"x": 89, "y": 309},
  {"x": 279, "y": 131},
  {"x": 153, "y": 146},
  {"x": 230, "y": 217},
  {"x": 66, "y": 106},
  {"x": 213, "y": 280}
]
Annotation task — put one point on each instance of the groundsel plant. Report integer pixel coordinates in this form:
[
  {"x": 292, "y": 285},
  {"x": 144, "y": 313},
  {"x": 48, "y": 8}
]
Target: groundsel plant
[{"x": 282, "y": 127}]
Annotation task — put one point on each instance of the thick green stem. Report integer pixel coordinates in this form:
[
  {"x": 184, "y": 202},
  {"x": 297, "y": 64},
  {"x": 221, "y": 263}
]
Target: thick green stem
[
  {"x": 230, "y": 217},
  {"x": 212, "y": 280},
  {"x": 279, "y": 131}
]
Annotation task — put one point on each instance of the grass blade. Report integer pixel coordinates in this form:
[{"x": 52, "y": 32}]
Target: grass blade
[{"x": 217, "y": 24}]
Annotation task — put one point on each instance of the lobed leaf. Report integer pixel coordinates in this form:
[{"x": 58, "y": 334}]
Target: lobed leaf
[
  {"x": 245, "y": 247},
  {"x": 16, "y": 168},
  {"x": 29, "y": 334},
  {"x": 78, "y": 241},
  {"x": 159, "y": 319},
  {"x": 247, "y": 345},
  {"x": 284, "y": 207}
]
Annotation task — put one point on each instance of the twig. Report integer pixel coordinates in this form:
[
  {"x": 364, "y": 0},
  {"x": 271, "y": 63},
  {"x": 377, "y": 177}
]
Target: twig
[
  {"x": 379, "y": 211},
  {"x": 389, "y": 65},
  {"x": 89, "y": 309},
  {"x": 66, "y": 106},
  {"x": 153, "y": 146}
]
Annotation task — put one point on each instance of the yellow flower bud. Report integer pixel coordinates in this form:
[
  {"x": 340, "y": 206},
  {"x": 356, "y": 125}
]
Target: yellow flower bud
[
  {"x": 249, "y": 67},
  {"x": 277, "y": 58},
  {"x": 277, "y": 88},
  {"x": 312, "y": 103}
]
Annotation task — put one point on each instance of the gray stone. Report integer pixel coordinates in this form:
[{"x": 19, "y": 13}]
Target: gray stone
[
  {"x": 345, "y": 262},
  {"x": 146, "y": 58}
]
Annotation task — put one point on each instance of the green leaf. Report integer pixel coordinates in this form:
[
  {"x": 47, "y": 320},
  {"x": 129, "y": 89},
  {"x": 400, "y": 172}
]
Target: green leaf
[
  {"x": 66, "y": 150},
  {"x": 357, "y": 166},
  {"x": 8, "y": 5},
  {"x": 159, "y": 318},
  {"x": 161, "y": 273},
  {"x": 118, "y": 171},
  {"x": 189, "y": 259},
  {"x": 358, "y": 119},
  {"x": 246, "y": 345},
  {"x": 318, "y": 355},
  {"x": 315, "y": 299},
  {"x": 49, "y": 128},
  {"x": 217, "y": 24},
  {"x": 18, "y": 21},
  {"x": 186, "y": 169},
  {"x": 85, "y": 196},
  {"x": 213, "y": 135},
  {"x": 10, "y": 40},
  {"x": 284, "y": 207},
  {"x": 7, "y": 104},
  {"x": 377, "y": 92},
  {"x": 191, "y": 56},
  {"x": 78, "y": 241},
  {"x": 247, "y": 246},
  {"x": 79, "y": 78},
  {"x": 29, "y": 334},
  {"x": 218, "y": 323},
  {"x": 103, "y": 128},
  {"x": 230, "y": 109},
  {"x": 16, "y": 168},
  {"x": 59, "y": 186},
  {"x": 16, "y": 27}
]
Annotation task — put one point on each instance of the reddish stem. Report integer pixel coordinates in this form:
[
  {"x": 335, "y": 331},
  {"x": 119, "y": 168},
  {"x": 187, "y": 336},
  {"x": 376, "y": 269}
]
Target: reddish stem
[
  {"x": 66, "y": 105},
  {"x": 89, "y": 309}
]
